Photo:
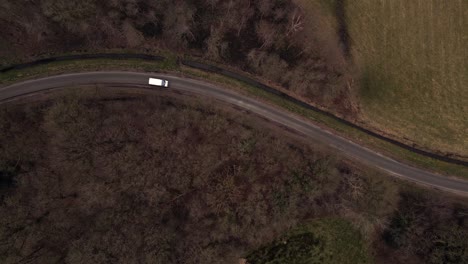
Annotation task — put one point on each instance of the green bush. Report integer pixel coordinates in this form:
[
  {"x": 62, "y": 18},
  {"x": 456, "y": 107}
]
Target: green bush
[
  {"x": 321, "y": 241},
  {"x": 294, "y": 249},
  {"x": 448, "y": 244}
]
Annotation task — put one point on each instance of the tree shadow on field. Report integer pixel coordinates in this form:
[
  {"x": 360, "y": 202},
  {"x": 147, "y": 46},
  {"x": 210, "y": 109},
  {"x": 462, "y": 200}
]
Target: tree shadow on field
[{"x": 343, "y": 33}]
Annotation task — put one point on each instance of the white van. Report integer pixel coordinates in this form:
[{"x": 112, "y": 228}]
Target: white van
[{"x": 158, "y": 82}]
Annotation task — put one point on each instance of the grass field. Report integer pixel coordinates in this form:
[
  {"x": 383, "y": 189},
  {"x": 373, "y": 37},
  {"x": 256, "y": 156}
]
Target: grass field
[{"x": 413, "y": 62}]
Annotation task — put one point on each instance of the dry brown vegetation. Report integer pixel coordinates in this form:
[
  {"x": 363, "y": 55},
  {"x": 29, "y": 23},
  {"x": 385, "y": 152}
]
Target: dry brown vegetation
[
  {"x": 272, "y": 39},
  {"x": 94, "y": 177}
]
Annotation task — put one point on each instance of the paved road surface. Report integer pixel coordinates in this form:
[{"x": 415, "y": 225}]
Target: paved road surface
[{"x": 292, "y": 121}]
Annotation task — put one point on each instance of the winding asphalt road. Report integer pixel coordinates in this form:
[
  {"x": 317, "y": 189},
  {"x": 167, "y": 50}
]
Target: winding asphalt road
[{"x": 350, "y": 149}]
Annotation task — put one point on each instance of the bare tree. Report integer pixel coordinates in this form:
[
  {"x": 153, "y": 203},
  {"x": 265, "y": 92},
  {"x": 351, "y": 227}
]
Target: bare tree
[
  {"x": 244, "y": 12},
  {"x": 178, "y": 22},
  {"x": 267, "y": 33},
  {"x": 296, "y": 23},
  {"x": 265, "y": 7}
]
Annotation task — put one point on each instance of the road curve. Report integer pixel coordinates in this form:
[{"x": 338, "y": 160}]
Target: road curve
[{"x": 285, "y": 118}]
